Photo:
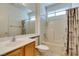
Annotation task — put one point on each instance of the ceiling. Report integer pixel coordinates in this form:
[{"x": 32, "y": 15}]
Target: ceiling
[
  {"x": 48, "y": 4},
  {"x": 30, "y": 6}
]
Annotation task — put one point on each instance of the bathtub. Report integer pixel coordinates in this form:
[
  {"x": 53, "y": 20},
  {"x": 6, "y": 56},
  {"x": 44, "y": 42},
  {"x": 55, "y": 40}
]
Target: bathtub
[{"x": 56, "y": 48}]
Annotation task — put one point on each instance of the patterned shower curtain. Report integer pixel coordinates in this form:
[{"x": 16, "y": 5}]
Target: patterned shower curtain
[{"x": 73, "y": 32}]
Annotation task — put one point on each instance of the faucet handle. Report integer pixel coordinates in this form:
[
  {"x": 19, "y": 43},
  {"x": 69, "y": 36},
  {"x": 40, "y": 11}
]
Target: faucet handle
[{"x": 13, "y": 39}]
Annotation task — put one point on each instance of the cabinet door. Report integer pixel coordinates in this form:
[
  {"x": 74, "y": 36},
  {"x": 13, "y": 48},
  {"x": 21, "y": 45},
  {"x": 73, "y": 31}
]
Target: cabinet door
[
  {"x": 18, "y": 52},
  {"x": 30, "y": 49}
]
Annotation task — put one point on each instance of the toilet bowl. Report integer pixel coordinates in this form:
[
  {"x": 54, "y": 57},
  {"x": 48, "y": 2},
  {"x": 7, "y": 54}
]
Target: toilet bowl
[{"x": 42, "y": 48}]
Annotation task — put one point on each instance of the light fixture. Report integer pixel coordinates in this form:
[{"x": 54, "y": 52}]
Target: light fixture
[{"x": 23, "y": 4}]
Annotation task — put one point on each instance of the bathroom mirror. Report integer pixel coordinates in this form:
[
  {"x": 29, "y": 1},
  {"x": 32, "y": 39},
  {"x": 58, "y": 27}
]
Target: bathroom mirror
[{"x": 16, "y": 19}]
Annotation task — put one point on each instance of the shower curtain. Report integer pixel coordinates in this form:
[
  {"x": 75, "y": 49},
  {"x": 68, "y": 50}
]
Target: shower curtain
[{"x": 72, "y": 34}]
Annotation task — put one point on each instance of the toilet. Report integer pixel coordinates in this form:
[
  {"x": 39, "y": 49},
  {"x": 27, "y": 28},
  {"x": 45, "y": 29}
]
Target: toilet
[{"x": 42, "y": 48}]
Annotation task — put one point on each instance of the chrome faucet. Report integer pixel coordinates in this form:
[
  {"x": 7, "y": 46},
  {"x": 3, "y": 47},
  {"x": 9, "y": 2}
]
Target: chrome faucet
[{"x": 13, "y": 39}]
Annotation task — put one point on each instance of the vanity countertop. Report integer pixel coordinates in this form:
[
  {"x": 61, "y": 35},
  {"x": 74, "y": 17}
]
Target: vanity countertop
[{"x": 8, "y": 45}]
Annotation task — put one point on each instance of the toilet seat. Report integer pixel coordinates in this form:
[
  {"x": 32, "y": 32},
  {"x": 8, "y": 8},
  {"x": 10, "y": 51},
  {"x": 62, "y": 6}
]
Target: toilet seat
[{"x": 42, "y": 47}]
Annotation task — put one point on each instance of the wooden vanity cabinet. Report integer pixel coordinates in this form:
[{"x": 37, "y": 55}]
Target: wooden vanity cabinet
[
  {"x": 17, "y": 52},
  {"x": 27, "y": 50},
  {"x": 30, "y": 49}
]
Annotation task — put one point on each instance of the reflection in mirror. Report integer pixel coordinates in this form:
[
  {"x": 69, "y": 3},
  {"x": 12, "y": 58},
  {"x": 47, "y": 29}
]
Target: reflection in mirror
[
  {"x": 30, "y": 24},
  {"x": 16, "y": 19}
]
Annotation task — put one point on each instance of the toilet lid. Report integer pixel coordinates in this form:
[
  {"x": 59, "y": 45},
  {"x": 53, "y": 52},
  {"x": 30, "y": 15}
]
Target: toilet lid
[{"x": 43, "y": 47}]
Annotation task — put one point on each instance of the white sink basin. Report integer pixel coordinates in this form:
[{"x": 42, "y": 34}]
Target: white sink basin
[{"x": 11, "y": 44}]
